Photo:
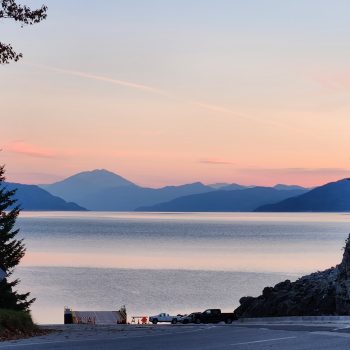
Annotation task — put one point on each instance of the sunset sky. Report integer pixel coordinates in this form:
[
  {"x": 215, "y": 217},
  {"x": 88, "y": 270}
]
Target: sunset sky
[{"x": 168, "y": 92}]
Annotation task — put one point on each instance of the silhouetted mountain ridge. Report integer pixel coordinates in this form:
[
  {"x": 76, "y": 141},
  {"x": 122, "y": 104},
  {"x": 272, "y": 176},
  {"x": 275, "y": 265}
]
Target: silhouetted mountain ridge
[
  {"x": 331, "y": 197},
  {"x": 289, "y": 187},
  {"x": 74, "y": 187},
  {"x": 129, "y": 198},
  {"x": 102, "y": 190},
  {"x": 225, "y": 201},
  {"x": 32, "y": 197}
]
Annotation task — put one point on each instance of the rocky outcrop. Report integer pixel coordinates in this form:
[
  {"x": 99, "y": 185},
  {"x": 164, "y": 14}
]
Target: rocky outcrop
[{"x": 321, "y": 293}]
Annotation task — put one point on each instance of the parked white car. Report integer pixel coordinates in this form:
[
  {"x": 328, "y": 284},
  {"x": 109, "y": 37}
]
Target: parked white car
[{"x": 163, "y": 317}]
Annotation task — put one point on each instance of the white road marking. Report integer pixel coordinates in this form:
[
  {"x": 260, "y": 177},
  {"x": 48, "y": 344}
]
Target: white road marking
[
  {"x": 334, "y": 334},
  {"x": 337, "y": 329},
  {"x": 13, "y": 345},
  {"x": 263, "y": 341}
]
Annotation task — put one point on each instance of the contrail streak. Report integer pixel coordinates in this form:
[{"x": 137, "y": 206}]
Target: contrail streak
[
  {"x": 151, "y": 89},
  {"x": 106, "y": 79},
  {"x": 223, "y": 110},
  {"x": 230, "y": 112}
]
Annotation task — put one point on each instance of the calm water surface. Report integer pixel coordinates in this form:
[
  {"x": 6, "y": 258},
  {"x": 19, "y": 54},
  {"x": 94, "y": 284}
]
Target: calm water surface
[{"x": 168, "y": 262}]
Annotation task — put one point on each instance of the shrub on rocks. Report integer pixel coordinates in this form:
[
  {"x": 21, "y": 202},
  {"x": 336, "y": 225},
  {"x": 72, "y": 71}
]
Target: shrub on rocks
[{"x": 320, "y": 293}]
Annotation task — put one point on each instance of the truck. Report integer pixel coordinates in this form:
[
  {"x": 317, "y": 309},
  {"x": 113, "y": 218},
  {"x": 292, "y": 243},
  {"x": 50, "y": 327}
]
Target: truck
[
  {"x": 189, "y": 318},
  {"x": 214, "y": 316},
  {"x": 163, "y": 317}
]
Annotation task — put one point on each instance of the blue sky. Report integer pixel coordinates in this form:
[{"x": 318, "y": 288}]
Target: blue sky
[{"x": 239, "y": 82}]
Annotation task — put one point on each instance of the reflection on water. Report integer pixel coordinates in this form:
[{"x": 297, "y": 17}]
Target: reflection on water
[
  {"x": 209, "y": 241},
  {"x": 144, "y": 292},
  {"x": 181, "y": 262}
]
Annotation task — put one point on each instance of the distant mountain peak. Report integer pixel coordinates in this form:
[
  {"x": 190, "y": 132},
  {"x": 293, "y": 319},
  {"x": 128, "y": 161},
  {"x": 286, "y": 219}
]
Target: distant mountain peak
[
  {"x": 98, "y": 171},
  {"x": 76, "y": 186},
  {"x": 100, "y": 189},
  {"x": 100, "y": 177},
  {"x": 288, "y": 187},
  {"x": 194, "y": 186},
  {"x": 218, "y": 185}
]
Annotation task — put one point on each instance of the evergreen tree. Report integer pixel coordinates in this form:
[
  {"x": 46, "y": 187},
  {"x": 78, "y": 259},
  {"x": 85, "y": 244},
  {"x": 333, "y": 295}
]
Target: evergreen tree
[
  {"x": 12, "y": 250},
  {"x": 9, "y": 9}
]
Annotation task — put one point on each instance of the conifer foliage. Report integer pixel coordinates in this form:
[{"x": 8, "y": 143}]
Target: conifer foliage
[
  {"x": 12, "y": 250},
  {"x": 9, "y": 9}
]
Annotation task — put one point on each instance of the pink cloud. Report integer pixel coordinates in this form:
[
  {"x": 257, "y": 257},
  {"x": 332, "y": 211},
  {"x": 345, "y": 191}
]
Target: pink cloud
[
  {"x": 33, "y": 178},
  {"x": 215, "y": 161},
  {"x": 337, "y": 80},
  {"x": 23, "y": 148},
  {"x": 294, "y": 176}
]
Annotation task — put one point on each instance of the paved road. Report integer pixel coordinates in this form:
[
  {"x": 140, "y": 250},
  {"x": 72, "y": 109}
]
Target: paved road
[{"x": 204, "y": 337}]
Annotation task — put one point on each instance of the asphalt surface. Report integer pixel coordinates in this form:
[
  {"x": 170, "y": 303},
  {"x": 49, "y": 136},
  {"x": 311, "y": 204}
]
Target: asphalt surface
[{"x": 170, "y": 337}]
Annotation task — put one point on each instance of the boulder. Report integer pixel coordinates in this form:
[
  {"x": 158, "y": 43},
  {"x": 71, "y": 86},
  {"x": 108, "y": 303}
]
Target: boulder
[{"x": 320, "y": 293}]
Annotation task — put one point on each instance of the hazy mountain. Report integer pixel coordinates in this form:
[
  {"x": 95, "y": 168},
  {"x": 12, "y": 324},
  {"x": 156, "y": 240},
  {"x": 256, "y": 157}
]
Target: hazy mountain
[
  {"x": 227, "y": 186},
  {"x": 31, "y": 197},
  {"x": 219, "y": 185},
  {"x": 129, "y": 198},
  {"x": 332, "y": 197},
  {"x": 75, "y": 188},
  {"x": 231, "y": 187},
  {"x": 289, "y": 187},
  {"x": 234, "y": 186},
  {"x": 102, "y": 190},
  {"x": 229, "y": 201}
]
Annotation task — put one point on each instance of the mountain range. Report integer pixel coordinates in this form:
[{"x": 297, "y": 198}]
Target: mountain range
[
  {"x": 247, "y": 199},
  {"x": 332, "y": 197},
  {"x": 102, "y": 190}
]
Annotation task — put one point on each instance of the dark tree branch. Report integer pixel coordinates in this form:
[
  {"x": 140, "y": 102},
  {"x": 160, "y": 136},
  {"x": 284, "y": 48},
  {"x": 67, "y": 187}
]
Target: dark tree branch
[
  {"x": 22, "y": 13},
  {"x": 9, "y": 9},
  {"x": 7, "y": 54}
]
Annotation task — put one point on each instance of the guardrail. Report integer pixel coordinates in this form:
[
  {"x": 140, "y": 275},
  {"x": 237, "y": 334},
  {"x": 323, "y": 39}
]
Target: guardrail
[{"x": 294, "y": 319}]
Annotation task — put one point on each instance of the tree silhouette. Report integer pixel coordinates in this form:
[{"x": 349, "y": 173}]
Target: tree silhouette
[
  {"x": 9, "y": 9},
  {"x": 12, "y": 250}
]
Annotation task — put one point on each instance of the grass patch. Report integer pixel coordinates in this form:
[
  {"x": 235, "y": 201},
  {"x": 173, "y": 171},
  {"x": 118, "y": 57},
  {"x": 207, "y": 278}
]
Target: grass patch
[{"x": 16, "y": 324}]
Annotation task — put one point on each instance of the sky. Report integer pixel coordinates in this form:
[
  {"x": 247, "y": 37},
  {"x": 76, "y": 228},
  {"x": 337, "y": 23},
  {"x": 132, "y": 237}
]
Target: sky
[{"x": 177, "y": 91}]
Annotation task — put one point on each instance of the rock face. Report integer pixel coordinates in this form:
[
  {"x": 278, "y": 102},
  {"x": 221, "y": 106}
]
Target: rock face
[{"x": 321, "y": 293}]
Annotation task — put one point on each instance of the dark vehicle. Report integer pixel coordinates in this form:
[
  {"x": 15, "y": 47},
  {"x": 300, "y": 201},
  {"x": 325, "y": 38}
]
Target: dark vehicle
[
  {"x": 189, "y": 318},
  {"x": 214, "y": 316}
]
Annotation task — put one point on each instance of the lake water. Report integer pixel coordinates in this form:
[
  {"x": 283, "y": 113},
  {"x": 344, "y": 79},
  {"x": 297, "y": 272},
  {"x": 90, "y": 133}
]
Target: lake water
[{"x": 168, "y": 262}]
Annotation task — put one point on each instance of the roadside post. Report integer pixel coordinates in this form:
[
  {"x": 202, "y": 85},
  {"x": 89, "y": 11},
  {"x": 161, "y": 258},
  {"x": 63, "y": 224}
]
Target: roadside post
[{"x": 2, "y": 275}]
